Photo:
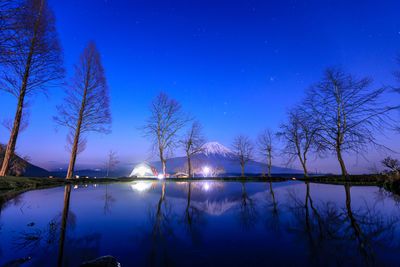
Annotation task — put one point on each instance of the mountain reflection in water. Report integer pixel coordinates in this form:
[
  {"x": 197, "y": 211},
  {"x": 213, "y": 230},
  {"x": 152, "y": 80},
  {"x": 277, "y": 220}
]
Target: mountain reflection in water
[{"x": 202, "y": 223}]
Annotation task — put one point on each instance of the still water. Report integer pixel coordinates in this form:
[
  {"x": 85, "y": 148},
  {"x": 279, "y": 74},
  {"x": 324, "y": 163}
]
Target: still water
[{"x": 203, "y": 224}]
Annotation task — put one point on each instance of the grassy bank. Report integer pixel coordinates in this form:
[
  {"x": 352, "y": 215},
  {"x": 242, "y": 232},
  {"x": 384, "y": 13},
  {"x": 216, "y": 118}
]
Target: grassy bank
[
  {"x": 14, "y": 184},
  {"x": 20, "y": 184},
  {"x": 391, "y": 184},
  {"x": 373, "y": 179}
]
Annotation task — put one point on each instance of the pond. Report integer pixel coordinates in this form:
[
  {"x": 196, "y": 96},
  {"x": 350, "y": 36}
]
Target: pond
[{"x": 203, "y": 224}]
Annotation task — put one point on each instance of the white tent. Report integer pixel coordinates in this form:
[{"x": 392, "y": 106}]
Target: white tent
[{"x": 144, "y": 170}]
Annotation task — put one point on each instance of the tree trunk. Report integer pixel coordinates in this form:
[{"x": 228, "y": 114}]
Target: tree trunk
[
  {"x": 242, "y": 170},
  {"x": 108, "y": 170},
  {"x": 269, "y": 164},
  {"x": 13, "y": 137},
  {"x": 305, "y": 170},
  {"x": 67, "y": 194},
  {"x": 163, "y": 167},
  {"x": 189, "y": 166},
  {"x": 341, "y": 162},
  {"x": 10, "y": 150},
  {"x": 303, "y": 164},
  {"x": 71, "y": 166}
]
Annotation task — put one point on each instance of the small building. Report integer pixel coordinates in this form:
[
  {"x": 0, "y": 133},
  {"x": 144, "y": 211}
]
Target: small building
[{"x": 144, "y": 169}]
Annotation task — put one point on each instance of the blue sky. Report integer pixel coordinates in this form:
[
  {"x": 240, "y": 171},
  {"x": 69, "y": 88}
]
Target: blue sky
[{"x": 237, "y": 66}]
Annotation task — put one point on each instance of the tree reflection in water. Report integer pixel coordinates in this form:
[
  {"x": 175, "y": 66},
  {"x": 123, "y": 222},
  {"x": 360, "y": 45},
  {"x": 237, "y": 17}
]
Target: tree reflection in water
[
  {"x": 272, "y": 216},
  {"x": 162, "y": 230},
  {"x": 108, "y": 200},
  {"x": 248, "y": 214},
  {"x": 63, "y": 229},
  {"x": 80, "y": 248},
  {"x": 193, "y": 217},
  {"x": 53, "y": 239},
  {"x": 341, "y": 233}
]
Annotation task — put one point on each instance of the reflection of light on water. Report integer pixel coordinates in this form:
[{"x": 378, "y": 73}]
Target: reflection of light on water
[
  {"x": 206, "y": 186},
  {"x": 141, "y": 186}
]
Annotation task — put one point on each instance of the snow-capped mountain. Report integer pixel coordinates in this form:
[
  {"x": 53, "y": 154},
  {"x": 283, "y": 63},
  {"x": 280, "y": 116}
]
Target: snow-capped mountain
[{"x": 215, "y": 148}]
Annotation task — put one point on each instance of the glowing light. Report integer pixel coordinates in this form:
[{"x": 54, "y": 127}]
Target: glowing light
[
  {"x": 160, "y": 176},
  {"x": 206, "y": 171},
  {"x": 206, "y": 186},
  {"x": 141, "y": 170},
  {"x": 141, "y": 186}
]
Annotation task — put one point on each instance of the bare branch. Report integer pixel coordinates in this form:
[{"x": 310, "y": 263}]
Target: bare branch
[
  {"x": 243, "y": 148},
  {"x": 164, "y": 124},
  {"x": 192, "y": 142},
  {"x": 300, "y": 136},
  {"x": 265, "y": 147},
  {"x": 348, "y": 112}
]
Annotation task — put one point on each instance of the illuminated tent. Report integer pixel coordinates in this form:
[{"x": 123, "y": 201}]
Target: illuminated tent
[{"x": 144, "y": 170}]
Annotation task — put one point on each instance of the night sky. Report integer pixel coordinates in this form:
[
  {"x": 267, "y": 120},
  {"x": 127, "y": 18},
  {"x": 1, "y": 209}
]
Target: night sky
[{"x": 237, "y": 66}]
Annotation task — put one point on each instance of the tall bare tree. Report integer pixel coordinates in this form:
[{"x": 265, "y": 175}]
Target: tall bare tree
[
  {"x": 348, "y": 112},
  {"x": 265, "y": 147},
  {"x": 112, "y": 161},
  {"x": 34, "y": 62},
  {"x": 243, "y": 149},
  {"x": 192, "y": 143},
  {"x": 86, "y": 107},
  {"x": 162, "y": 127},
  {"x": 299, "y": 135}
]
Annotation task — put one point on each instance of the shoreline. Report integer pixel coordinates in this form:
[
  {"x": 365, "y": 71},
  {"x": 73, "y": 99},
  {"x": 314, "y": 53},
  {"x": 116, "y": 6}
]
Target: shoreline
[{"x": 12, "y": 184}]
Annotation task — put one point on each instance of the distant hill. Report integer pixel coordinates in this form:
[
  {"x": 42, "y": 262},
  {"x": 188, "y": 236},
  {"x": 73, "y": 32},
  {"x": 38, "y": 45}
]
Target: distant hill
[
  {"x": 30, "y": 169},
  {"x": 215, "y": 154}
]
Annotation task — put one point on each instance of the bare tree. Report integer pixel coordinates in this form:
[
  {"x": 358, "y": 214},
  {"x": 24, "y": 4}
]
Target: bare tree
[
  {"x": 112, "y": 161},
  {"x": 162, "y": 127},
  {"x": 192, "y": 143},
  {"x": 243, "y": 148},
  {"x": 347, "y": 111},
  {"x": 392, "y": 164},
  {"x": 299, "y": 135},
  {"x": 33, "y": 64},
  {"x": 8, "y": 27},
  {"x": 86, "y": 107},
  {"x": 265, "y": 147}
]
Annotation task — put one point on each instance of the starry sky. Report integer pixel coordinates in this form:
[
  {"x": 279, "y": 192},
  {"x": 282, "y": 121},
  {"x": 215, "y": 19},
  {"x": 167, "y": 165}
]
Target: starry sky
[{"x": 237, "y": 66}]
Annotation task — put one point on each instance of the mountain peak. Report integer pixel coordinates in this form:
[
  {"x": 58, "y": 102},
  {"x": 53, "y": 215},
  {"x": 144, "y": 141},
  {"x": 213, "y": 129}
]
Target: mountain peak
[{"x": 215, "y": 148}]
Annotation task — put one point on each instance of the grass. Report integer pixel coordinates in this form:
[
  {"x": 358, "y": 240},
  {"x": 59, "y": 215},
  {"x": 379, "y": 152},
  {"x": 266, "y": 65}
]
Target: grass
[
  {"x": 372, "y": 179},
  {"x": 9, "y": 184}
]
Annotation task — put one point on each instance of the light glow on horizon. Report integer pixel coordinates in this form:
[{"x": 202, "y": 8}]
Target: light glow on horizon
[{"x": 206, "y": 171}]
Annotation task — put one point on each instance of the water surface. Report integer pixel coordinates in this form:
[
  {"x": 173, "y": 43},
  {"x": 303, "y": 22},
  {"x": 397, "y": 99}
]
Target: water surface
[{"x": 203, "y": 223}]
